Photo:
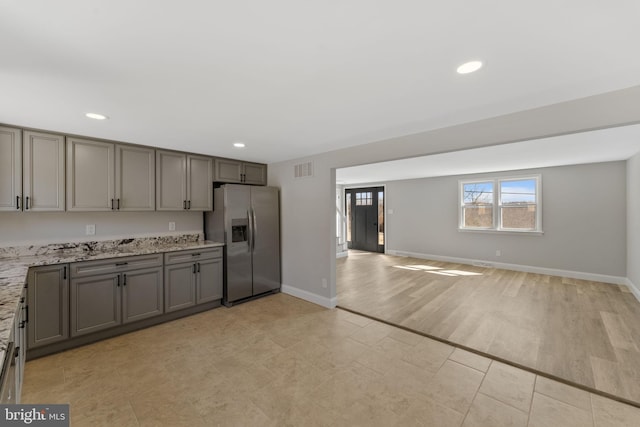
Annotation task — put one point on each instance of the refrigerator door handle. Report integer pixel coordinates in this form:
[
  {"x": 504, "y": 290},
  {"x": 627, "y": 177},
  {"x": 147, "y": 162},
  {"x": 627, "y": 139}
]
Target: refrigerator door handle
[
  {"x": 254, "y": 230},
  {"x": 250, "y": 236}
]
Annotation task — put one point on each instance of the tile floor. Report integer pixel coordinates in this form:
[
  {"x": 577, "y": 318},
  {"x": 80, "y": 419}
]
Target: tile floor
[{"x": 280, "y": 361}]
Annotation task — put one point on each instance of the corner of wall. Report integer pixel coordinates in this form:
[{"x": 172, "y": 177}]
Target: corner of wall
[
  {"x": 310, "y": 297},
  {"x": 635, "y": 290}
]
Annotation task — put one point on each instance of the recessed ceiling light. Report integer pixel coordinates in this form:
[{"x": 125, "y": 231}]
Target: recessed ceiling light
[
  {"x": 239, "y": 144},
  {"x": 96, "y": 116},
  {"x": 469, "y": 67}
]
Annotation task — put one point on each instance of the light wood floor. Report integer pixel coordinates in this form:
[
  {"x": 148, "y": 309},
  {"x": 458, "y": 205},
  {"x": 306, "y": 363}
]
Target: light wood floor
[
  {"x": 587, "y": 333},
  {"x": 281, "y": 361}
]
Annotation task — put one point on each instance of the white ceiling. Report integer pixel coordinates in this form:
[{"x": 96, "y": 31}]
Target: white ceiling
[
  {"x": 588, "y": 147},
  {"x": 293, "y": 78}
]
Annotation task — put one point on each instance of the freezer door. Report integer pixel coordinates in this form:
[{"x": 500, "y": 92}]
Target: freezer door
[
  {"x": 237, "y": 206},
  {"x": 266, "y": 239}
]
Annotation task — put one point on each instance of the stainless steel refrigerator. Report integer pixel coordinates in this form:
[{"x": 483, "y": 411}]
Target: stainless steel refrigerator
[{"x": 247, "y": 219}]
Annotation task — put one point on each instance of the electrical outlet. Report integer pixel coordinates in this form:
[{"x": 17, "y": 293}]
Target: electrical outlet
[
  {"x": 172, "y": 226},
  {"x": 90, "y": 230},
  {"x": 324, "y": 283},
  {"x": 498, "y": 252}
]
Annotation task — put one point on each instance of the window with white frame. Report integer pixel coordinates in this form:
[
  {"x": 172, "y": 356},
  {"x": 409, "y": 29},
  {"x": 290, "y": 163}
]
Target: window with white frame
[{"x": 501, "y": 204}]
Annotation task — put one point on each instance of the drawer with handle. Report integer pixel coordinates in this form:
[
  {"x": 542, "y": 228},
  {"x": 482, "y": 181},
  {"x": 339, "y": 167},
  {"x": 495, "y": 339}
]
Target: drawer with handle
[
  {"x": 114, "y": 265},
  {"x": 192, "y": 255}
]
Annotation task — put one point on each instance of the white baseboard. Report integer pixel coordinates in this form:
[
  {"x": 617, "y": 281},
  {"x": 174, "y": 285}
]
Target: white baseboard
[
  {"x": 633, "y": 288},
  {"x": 342, "y": 254},
  {"x": 309, "y": 296},
  {"x": 616, "y": 280}
]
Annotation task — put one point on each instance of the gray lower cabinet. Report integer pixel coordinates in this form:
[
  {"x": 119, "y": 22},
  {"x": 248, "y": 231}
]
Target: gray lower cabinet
[
  {"x": 209, "y": 280},
  {"x": 179, "y": 286},
  {"x": 119, "y": 291},
  {"x": 142, "y": 294},
  {"x": 48, "y": 302},
  {"x": 192, "y": 277}
]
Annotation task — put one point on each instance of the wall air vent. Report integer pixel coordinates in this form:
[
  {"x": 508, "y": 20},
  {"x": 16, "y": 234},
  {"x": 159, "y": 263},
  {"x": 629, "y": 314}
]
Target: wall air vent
[{"x": 303, "y": 170}]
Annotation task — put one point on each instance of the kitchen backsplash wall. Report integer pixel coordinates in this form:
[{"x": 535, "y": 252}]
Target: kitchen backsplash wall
[{"x": 21, "y": 228}]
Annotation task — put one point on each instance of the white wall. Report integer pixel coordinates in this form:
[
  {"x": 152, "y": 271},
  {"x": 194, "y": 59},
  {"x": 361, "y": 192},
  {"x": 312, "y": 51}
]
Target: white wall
[
  {"x": 584, "y": 221},
  {"x": 633, "y": 223},
  {"x": 21, "y": 228},
  {"x": 307, "y": 206}
]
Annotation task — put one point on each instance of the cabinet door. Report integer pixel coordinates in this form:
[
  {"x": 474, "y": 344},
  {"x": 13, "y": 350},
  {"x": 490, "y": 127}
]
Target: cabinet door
[
  {"x": 95, "y": 303},
  {"x": 48, "y": 299},
  {"x": 20, "y": 337},
  {"x": 228, "y": 170},
  {"x": 142, "y": 294},
  {"x": 255, "y": 173},
  {"x": 135, "y": 178},
  {"x": 209, "y": 283},
  {"x": 90, "y": 175},
  {"x": 179, "y": 286},
  {"x": 171, "y": 181},
  {"x": 43, "y": 169},
  {"x": 200, "y": 183},
  {"x": 10, "y": 169}
]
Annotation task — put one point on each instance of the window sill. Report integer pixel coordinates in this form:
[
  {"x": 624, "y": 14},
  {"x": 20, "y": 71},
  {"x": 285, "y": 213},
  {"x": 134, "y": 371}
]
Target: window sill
[{"x": 512, "y": 232}]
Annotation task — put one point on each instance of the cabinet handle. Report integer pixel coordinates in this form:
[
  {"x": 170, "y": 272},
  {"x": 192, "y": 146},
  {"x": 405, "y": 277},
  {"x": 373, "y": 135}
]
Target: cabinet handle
[
  {"x": 64, "y": 273},
  {"x": 184, "y": 204},
  {"x": 198, "y": 254},
  {"x": 22, "y": 324},
  {"x": 194, "y": 268},
  {"x": 18, "y": 202},
  {"x": 17, "y": 352},
  {"x": 26, "y": 315},
  {"x": 198, "y": 267},
  {"x": 125, "y": 280},
  {"x": 189, "y": 205},
  {"x": 26, "y": 206},
  {"x": 111, "y": 204},
  {"x": 118, "y": 264},
  {"x": 118, "y": 204},
  {"x": 118, "y": 282}
]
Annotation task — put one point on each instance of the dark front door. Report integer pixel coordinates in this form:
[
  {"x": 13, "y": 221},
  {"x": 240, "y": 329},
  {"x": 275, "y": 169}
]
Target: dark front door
[{"x": 365, "y": 218}]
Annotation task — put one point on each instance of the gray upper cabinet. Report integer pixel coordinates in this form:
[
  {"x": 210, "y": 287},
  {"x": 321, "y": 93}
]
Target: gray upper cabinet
[
  {"x": 171, "y": 181},
  {"x": 43, "y": 171},
  {"x": 135, "y": 178},
  {"x": 183, "y": 182},
  {"x": 90, "y": 175},
  {"x": 228, "y": 170},
  {"x": 255, "y": 173},
  {"x": 102, "y": 176},
  {"x": 235, "y": 171},
  {"x": 200, "y": 183},
  {"x": 10, "y": 169},
  {"x": 48, "y": 299},
  {"x": 31, "y": 171}
]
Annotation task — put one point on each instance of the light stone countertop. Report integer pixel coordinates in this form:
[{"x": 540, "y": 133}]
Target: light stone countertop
[{"x": 16, "y": 261}]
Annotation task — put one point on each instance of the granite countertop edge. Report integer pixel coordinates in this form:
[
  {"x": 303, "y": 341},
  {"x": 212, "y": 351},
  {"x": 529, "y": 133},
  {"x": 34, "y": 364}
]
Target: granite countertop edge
[{"x": 13, "y": 274}]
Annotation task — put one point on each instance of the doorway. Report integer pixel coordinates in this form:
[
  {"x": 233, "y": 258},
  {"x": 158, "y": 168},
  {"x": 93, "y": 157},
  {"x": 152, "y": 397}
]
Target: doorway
[{"x": 365, "y": 218}]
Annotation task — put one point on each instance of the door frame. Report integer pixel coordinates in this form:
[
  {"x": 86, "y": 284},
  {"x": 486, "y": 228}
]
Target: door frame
[{"x": 384, "y": 209}]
